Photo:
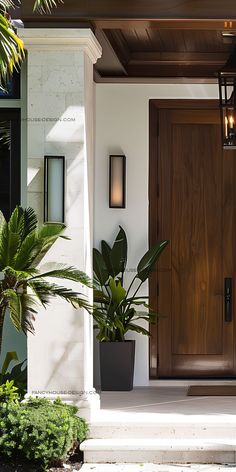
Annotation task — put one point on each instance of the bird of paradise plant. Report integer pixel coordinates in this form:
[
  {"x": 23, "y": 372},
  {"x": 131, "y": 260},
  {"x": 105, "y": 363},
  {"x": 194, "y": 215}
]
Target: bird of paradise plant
[{"x": 117, "y": 309}]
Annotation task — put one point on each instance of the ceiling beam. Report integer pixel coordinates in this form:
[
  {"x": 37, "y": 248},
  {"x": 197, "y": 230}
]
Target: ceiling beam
[
  {"x": 118, "y": 44},
  {"x": 174, "y": 58},
  {"x": 135, "y": 9},
  {"x": 171, "y": 70},
  {"x": 170, "y": 24}
]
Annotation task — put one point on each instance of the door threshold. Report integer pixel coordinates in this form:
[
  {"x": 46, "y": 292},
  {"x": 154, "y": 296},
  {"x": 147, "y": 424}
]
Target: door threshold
[{"x": 188, "y": 382}]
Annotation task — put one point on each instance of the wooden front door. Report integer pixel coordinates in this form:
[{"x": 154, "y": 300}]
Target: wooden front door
[{"x": 192, "y": 203}]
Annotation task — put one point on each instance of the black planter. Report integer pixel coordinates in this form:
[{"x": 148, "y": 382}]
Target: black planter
[{"x": 117, "y": 365}]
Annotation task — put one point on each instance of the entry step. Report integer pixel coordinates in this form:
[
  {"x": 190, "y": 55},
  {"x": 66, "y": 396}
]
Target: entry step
[{"x": 159, "y": 450}]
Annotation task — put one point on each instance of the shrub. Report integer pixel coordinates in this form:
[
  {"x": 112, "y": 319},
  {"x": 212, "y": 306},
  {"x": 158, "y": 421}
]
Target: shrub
[
  {"x": 8, "y": 392},
  {"x": 41, "y": 431}
]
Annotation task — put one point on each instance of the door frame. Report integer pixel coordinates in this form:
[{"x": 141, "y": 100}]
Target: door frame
[{"x": 154, "y": 106}]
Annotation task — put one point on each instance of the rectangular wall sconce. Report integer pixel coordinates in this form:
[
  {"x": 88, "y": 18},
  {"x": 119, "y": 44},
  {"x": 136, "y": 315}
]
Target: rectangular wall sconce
[
  {"x": 117, "y": 181},
  {"x": 54, "y": 189}
]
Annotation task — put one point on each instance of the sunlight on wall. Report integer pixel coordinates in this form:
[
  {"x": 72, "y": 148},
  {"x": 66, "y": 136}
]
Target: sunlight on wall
[
  {"x": 32, "y": 174},
  {"x": 69, "y": 127}
]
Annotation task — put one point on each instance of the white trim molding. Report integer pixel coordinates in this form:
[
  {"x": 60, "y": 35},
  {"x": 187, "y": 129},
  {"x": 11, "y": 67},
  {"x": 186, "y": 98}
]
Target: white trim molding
[{"x": 42, "y": 39}]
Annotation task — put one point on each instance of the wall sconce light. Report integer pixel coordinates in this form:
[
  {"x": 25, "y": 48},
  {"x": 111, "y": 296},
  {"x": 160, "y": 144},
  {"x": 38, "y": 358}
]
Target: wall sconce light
[
  {"x": 54, "y": 188},
  {"x": 117, "y": 181},
  {"x": 227, "y": 94}
]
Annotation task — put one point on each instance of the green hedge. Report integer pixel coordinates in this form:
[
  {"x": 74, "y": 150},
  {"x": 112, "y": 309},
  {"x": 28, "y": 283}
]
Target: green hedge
[{"x": 40, "y": 430}]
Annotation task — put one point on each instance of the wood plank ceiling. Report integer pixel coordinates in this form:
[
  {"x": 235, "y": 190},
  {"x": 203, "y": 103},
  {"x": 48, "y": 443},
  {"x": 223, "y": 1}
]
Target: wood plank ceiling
[
  {"x": 156, "y": 52},
  {"x": 149, "y": 39}
]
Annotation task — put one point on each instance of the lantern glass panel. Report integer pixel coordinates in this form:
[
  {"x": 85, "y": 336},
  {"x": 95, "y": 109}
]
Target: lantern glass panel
[
  {"x": 117, "y": 181},
  {"x": 227, "y": 89},
  {"x": 54, "y": 188}
]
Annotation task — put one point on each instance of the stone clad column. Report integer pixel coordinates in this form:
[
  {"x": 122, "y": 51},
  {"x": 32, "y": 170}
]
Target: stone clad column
[{"x": 60, "y": 114}]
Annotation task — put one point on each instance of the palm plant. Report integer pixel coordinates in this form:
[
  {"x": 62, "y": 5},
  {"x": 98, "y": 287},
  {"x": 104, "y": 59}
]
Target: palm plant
[
  {"x": 11, "y": 46},
  {"x": 116, "y": 309},
  {"x": 23, "y": 244}
]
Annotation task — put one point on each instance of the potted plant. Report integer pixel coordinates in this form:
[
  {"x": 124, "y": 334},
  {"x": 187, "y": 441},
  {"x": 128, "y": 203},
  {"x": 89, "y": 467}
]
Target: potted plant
[{"x": 118, "y": 310}]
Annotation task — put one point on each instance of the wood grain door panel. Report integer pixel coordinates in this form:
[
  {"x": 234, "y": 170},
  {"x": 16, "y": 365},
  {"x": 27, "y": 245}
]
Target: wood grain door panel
[{"x": 196, "y": 209}]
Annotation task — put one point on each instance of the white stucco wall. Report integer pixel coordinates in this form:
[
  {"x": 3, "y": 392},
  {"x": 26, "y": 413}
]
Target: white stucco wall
[
  {"x": 60, "y": 123},
  {"x": 122, "y": 127}
]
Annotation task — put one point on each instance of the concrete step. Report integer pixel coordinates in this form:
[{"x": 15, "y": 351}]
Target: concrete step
[
  {"x": 160, "y": 451},
  {"x": 178, "y": 430}
]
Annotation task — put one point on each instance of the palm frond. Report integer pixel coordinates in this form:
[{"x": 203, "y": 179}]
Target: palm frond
[
  {"x": 27, "y": 252},
  {"x": 14, "y": 304},
  {"x": 5, "y": 5},
  {"x": 21, "y": 309},
  {"x": 19, "y": 275},
  {"x": 5, "y": 134},
  {"x": 9, "y": 244},
  {"x": 61, "y": 271},
  {"x": 45, "y": 6},
  {"x": 11, "y": 51},
  {"x": 30, "y": 221},
  {"x": 28, "y": 312},
  {"x": 45, "y": 290},
  {"x": 47, "y": 235},
  {"x": 16, "y": 222}
]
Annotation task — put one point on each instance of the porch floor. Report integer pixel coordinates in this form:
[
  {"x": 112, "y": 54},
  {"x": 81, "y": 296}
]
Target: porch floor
[{"x": 164, "y": 401}]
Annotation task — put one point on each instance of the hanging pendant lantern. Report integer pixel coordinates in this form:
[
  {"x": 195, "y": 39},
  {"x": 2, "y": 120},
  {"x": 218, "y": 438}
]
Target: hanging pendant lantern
[{"x": 227, "y": 93}]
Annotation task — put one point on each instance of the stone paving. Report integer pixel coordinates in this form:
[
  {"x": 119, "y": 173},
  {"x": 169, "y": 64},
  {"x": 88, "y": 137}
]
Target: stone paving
[{"x": 158, "y": 468}]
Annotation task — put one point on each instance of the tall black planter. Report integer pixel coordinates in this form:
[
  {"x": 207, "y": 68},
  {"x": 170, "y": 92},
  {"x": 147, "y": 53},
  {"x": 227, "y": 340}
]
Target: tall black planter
[{"x": 117, "y": 365}]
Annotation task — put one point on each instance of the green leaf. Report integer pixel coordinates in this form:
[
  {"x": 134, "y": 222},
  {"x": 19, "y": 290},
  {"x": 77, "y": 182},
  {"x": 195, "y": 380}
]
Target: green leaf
[
  {"x": 51, "y": 230},
  {"x": 118, "y": 292},
  {"x": 16, "y": 222},
  {"x": 9, "y": 244},
  {"x": 30, "y": 221},
  {"x": 99, "y": 267},
  {"x": 10, "y": 356},
  {"x": 28, "y": 251},
  {"x": 14, "y": 305},
  {"x": 118, "y": 254},
  {"x": 2, "y": 222},
  {"x": 149, "y": 259},
  {"x": 106, "y": 254},
  {"x": 20, "y": 276},
  {"x": 18, "y": 374},
  {"x": 47, "y": 235},
  {"x": 11, "y": 51},
  {"x": 28, "y": 312},
  {"x": 138, "y": 329}
]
